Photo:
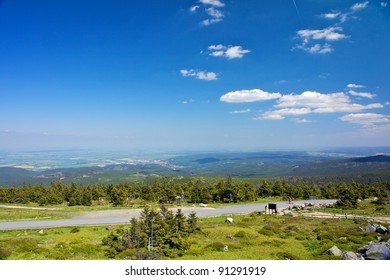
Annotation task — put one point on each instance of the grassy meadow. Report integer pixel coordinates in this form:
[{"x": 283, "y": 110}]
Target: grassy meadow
[{"x": 249, "y": 237}]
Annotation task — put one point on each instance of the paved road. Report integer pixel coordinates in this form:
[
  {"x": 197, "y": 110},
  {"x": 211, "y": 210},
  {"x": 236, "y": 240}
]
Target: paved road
[{"x": 108, "y": 217}]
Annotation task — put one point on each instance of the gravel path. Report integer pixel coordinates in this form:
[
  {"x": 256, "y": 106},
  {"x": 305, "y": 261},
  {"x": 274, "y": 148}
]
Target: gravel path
[{"x": 108, "y": 217}]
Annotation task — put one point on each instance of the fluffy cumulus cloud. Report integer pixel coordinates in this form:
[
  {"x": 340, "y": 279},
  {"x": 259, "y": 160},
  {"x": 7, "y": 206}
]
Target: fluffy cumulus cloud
[
  {"x": 308, "y": 102},
  {"x": 201, "y": 75},
  {"x": 244, "y": 96},
  {"x": 230, "y": 52},
  {"x": 384, "y": 4},
  {"x": 323, "y": 103}
]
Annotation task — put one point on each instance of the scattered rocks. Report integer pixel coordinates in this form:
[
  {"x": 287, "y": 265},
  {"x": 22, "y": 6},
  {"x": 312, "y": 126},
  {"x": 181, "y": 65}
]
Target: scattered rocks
[
  {"x": 372, "y": 251},
  {"x": 376, "y": 228},
  {"x": 310, "y": 206}
]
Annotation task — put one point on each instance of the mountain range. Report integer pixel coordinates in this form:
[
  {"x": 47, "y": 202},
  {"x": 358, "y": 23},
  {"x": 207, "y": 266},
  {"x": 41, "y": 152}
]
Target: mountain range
[{"x": 244, "y": 165}]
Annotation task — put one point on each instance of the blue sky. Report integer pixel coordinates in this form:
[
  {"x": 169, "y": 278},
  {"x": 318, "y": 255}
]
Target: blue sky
[{"x": 194, "y": 74}]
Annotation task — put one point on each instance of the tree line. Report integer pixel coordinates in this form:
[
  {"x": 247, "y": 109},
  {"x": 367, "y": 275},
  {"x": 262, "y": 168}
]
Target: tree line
[{"x": 172, "y": 190}]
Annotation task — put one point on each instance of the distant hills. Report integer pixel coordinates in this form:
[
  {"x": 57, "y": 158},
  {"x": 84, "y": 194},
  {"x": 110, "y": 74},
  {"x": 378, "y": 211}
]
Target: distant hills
[{"x": 244, "y": 165}]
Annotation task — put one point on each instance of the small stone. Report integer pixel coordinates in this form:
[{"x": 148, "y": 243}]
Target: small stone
[
  {"x": 381, "y": 229},
  {"x": 378, "y": 251},
  {"x": 334, "y": 251},
  {"x": 370, "y": 228},
  {"x": 350, "y": 256},
  {"x": 287, "y": 213},
  {"x": 41, "y": 232}
]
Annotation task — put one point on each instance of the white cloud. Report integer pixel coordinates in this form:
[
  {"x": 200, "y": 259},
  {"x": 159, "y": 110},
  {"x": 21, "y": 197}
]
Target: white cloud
[
  {"x": 230, "y": 52},
  {"x": 311, "y": 102},
  {"x": 355, "y": 86},
  {"x": 201, "y": 75},
  {"x": 366, "y": 119},
  {"x": 328, "y": 34},
  {"x": 384, "y": 4},
  {"x": 352, "y": 10},
  {"x": 282, "y": 113},
  {"x": 240, "y": 111},
  {"x": 270, "y": 116},
  {"x": 309, "y": 36},
  {"x": 244, "y": 96},
  {"x": 359, "y": 6},
  {"x": 298, "y": 120},
  {"x": 207, "y": 22},
  {"x": 216, "y": 3},
  {"x": 187, "y": 101},
  {"x": 362, "y": 94},
  {"x": 214, "y": 13},
  {"x": 317, "y": 48},
  {"x": 312, "y": 99},
  {"x": 212, "y": 9},
  {"x": 194, "y": 8},
  {"x": 331, "y": 15},
  {"x": 216, "y": 47},
  {"x": 323, "y": 103}
]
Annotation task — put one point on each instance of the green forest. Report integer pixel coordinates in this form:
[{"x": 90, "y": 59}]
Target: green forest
[{"x": 172, "y": 190}]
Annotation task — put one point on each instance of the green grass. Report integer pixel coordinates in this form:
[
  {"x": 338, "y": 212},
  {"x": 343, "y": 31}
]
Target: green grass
[
  {"x": 249, "y": 237},
  {"x": 54, "y": 244},
  {"x": 274, "y": 238},
  {"x": 365, "y": 208},
  {"x": 13, "y": 214}
]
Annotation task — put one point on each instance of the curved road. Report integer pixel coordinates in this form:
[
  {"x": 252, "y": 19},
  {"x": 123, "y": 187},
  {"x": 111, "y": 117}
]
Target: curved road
[{"x": 108, "y": 217}]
